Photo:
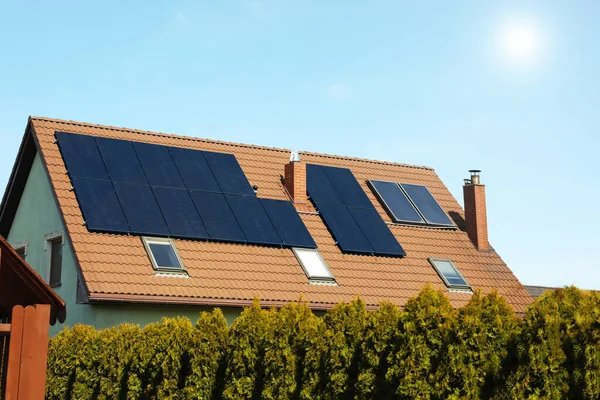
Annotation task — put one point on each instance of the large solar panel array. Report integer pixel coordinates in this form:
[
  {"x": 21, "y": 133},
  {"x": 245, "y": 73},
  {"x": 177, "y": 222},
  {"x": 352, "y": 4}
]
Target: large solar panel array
[
  {"x": 411, "y": 204},
  {"x": 348, "y": 213},
  {"x": 146, "y": 189}
]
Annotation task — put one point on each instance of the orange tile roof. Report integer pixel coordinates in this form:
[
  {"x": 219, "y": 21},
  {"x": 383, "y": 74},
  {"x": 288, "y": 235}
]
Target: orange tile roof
[{"x": 116, "y": 267}]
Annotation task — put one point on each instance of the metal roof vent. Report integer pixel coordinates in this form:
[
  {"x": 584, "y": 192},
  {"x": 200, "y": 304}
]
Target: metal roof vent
[
  {"x": 475, "y": 176},
  {"x": 295, "y": 156}
]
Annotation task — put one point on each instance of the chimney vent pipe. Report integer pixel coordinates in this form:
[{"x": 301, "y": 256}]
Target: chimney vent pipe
[{"x": 475, "y": 180}]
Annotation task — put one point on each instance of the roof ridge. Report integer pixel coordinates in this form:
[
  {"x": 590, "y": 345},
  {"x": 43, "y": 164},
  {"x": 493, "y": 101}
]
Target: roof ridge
[{"x": 214, "y": 141}]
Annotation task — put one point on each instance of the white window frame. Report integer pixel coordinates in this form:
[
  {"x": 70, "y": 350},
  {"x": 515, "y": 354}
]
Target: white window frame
[
  {"x": 48, "y": 239},
  {"x": 148, "y": 240},
  {"x": 24, "y": 245},
  {"x": 466, "y": 286},
  {"x": 315, "y": 279}
]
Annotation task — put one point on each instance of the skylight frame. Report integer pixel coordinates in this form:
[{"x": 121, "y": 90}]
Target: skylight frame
[
  {"x": 329, "y": 279},
  {"x": 163, "y": 241},
  {"x": 466, "y": 285}
]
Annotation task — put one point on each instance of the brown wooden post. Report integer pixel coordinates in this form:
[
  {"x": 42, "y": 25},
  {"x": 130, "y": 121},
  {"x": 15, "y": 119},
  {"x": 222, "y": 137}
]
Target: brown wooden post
[
  {"x": 32, "y": 379},
  {"x": 14, "y": 353}
]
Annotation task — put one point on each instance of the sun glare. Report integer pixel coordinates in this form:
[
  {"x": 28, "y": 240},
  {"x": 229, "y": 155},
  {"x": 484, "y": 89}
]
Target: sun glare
[{"x": 520, "y": 42}]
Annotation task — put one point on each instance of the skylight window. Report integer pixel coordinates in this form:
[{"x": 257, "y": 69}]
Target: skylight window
[
  {"x": 314, "y": 266},
  {"x": 411, "y": 204},
  {"x": 163, "y": 254},
  {"x": 449, "y": 273}
]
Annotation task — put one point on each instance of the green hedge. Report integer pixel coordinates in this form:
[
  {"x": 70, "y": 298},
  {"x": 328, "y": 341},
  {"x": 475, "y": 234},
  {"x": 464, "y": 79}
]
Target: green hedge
[{"x": 428, "y": 350}]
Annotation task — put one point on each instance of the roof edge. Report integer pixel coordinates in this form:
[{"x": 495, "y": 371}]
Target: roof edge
[{"x": 213, "y": 141}]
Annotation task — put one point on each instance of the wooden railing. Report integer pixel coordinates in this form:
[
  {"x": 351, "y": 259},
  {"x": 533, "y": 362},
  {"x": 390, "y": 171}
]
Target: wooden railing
[{"x": 24, "y": 353}]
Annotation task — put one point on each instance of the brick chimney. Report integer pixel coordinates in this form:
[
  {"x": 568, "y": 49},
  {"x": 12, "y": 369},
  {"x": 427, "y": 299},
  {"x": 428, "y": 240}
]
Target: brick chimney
[
  {"x": 295, "y": 179},
  {"x": 475, "y": 211}
]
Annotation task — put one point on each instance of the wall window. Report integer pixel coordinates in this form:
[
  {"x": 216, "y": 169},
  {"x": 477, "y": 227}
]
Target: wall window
[
  {"x": 54, "y": 247},
  {"x": 21, "y": 249},
  {"x": 163, "y": 254},
  {"x": 449, "y": 273},
  {"x": 314, "y": 266}
]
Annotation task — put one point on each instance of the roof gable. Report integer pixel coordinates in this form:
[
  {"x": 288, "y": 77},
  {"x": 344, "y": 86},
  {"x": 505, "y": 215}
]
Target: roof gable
[{"x": 116, "y": 267}]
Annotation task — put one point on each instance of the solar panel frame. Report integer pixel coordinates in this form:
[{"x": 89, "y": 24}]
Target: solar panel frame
[
  {"x": 100, "y": 206},
  {"x": 347, "y": 187},
  {"x": 388, "y": 205},
  {"x": 377, "y": 232},
  {"x": 194, "y": 170},
  {"x": 158, "y": 165},
  {"x": 141, "y": 209},
  {"x": 121, "y": 161},
  {"x": 218, "y": 218},
  {"x": 253, "y": 220},
  {"x": 288, "y": 224},
  {"x": 180, "y": 213},
  {"x": 81, "y": 156},
  {"x": 427, "y": 211},
  {"x": 228, "y": 173},
  {"x": 344, "y": 229}
]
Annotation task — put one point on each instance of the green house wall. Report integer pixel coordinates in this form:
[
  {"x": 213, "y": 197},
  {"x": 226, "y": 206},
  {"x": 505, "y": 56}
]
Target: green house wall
[{"x": 38, "y": 216}]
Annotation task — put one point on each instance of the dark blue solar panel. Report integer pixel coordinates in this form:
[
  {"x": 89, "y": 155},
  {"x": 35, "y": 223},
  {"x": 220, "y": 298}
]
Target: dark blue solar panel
[
  {"x": 121, "y": 161},
  {"x": 396, "y": 202},
  {"x": 426, "y": 204},
  {"x": 377, "y": 232},
  {"x": 141, "y": 210},
  {"x": 217, "y": 216},
  {"x": 99, "y": 205},
  {"x": 194, "y": 169},
  {"x": 347, "y": 187},
  {"x": 228, "y": 173},
  {"x": 81, "y": 156},
  {"x": 288, "y": 223},
  {"x": 253, "y": 220},
  {"x": 344, "y": 229},
  {"x": 180, "y": 213},
  {"x": 158, "y": 166},
  {"x": 319, "y": 188}
]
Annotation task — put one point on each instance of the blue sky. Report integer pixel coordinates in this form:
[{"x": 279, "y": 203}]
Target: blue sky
[{"x": 509, "y": 87}]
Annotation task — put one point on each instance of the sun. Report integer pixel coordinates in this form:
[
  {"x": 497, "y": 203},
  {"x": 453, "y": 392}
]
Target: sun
[{"x": 520, "y": 42}]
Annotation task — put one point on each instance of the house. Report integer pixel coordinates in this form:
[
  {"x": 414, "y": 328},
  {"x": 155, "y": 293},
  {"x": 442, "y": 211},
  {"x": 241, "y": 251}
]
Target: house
[{"x": 131, "y": 226}]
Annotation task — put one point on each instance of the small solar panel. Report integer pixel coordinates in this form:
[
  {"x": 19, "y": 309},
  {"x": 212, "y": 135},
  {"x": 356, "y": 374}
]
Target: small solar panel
[
  {"x": 99, "y": 205},
  {"x": 395, "y": 201},
  {"x": 347, "y": 187},
  {"x": 253, "y": 220},
  {"x": 288, "y": 223},
  {"x": 344, "y": 229},
  {"x": 194, "y": 169},
  {"x": 228, "y": 173},
  {"x": 81, "y": 155},
  {"x": 427, "y": 205},
  {"x": 180, "y": 213},
  {"x": 158, "y": 165},
  {"x": 121, "y": 161},
  {"x": 319, "y": 188},
  {"x": 141, "y": 209},
  {"x": 217, "y": 216},
  {"x": 377, "y": 232}
]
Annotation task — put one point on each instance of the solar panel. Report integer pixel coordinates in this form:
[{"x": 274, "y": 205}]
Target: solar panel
[
  {"x": 121, "y": 161},
  {"x": 180, "y": 213},
  {"x": 228, "y": 173},
  {"x": 99, "y": 205},
  {"x": 194, "y": 169},
  {"x": 344, "y": 229},
  {"x": 319, "y": 188},
  {"x": 347, "y": 187},
  {"x": 141, "y": 210},
  {"x": 253, "y": 220},
  {"x": 217, "y": 216},
  {"x": 81, "y": 156},
  {"x": 377, "y": 232},
  {"x": 288, "y": 223},
  {"x": 426, "y": 204},
  {"x": 158, "y": 165},
  {"x": 396, "y": 202}
]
